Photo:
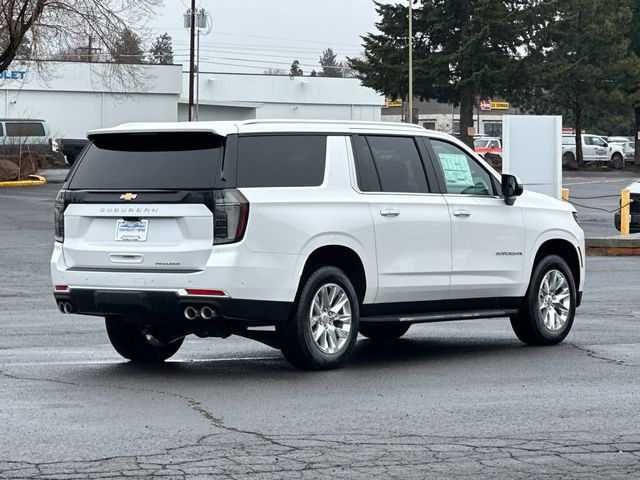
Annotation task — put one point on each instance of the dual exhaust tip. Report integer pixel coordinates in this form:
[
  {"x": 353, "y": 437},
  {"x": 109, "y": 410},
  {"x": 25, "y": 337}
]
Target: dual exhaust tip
[
  {"x": 206, "y": 313},
  {"x": 65, "y": 307}
]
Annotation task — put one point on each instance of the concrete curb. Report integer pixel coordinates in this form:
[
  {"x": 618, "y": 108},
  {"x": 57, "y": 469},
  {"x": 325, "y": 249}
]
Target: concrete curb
[
  {"x": 37, "y": 181},
  {"x": 618, "y": 246},
  {"x": 54, "y": 175}
]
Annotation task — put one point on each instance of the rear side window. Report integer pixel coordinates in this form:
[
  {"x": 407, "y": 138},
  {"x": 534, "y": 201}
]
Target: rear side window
[
  {"x": 281, "y": 160},
  {"x": 150, "y": 161},
  {"x": 24, "y": 129},
  {"x": 398, "y": 164}
]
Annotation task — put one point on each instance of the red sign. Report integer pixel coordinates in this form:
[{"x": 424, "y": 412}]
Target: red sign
[{"x": 485, "y": 105}]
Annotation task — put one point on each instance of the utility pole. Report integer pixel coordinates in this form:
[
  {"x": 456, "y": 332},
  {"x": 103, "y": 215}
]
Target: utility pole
[
  {"x": 410, "y": 109},
  {"x": 192, "y": 34}
]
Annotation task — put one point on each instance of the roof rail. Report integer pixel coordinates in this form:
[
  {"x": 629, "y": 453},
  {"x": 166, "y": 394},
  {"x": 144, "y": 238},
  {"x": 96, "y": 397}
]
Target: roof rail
[{"x": 409, "y": 126}]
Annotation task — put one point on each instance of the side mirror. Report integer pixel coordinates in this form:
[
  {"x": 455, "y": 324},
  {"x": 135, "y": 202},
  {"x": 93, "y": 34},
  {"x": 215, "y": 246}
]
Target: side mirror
[{"x": 511, "y": 188}]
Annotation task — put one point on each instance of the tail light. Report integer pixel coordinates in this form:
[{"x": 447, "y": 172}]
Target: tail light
[
  {"x": 58, "y": 211},
  {"x": 230, "y": 216}
]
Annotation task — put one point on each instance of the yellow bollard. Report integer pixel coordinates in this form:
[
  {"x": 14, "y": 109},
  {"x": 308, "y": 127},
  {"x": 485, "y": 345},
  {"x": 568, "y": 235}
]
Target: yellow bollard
[
  {"x": 565, "y": 194},
  {"x": 625, "y": 211}
]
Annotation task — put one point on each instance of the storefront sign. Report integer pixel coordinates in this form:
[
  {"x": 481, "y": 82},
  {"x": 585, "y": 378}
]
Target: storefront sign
[
  {"x": 388, "y": 103},
  {"x": 13, "y": 75},
  {"x": 488, "y": 105}
]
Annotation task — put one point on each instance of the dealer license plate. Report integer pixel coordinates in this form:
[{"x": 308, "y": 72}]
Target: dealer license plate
[{"x": 132, "y": 231}]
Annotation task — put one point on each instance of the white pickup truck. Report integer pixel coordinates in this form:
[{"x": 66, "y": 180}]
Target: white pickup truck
[{"x": 594, "y": 150}]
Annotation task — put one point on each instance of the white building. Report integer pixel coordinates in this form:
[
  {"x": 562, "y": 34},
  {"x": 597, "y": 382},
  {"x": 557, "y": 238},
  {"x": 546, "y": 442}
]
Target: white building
[
  {"x": 233, "y": 96},
  {"x": 76, "y": 97}
]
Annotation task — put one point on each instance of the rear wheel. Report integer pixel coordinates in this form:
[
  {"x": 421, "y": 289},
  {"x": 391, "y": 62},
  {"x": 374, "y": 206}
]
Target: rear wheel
[
  {"x": 617, "y": 161},
  {"x": 569, "y": 161},
  {"x": 384, "y": 332},
  {"x": 547, "y": 313},
  {"x": 138, "y": 345},
  {"x": 323, "y": 327}
]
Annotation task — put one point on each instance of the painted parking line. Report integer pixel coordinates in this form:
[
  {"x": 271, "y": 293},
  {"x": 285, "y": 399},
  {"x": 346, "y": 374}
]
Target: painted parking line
[{"x": 619, "y": 180}]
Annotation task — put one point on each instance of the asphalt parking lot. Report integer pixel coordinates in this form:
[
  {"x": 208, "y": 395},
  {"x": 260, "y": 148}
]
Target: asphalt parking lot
[{"x": 450, "y": 400}]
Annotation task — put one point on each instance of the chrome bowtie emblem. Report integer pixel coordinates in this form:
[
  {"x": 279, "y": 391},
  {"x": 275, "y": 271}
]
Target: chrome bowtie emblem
[{"x": 128, "y": 196}]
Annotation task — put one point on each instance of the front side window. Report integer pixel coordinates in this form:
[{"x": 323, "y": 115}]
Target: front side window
[
  {"x": 463, "y": 175},
  {"x": 598, "y": 142},
  {"x": 281, "y": 160},
  {"x": 398, "y": 164}
]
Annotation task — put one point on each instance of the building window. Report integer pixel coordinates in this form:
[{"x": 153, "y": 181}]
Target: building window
[
  {"x": 493, "y": 128},
  {"x": 456, "y": 127},
  {"x": 429, "y": 124}
]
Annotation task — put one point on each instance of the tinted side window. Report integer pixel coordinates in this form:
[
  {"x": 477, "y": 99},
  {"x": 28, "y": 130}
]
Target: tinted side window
[
  {"x": 462, "y": 174},
  {"x": 398, "y": 164},
  {"x": 281, "y": 160},
  {"x": 365, "y": 169},
  {"x": 24, "y": 129}
]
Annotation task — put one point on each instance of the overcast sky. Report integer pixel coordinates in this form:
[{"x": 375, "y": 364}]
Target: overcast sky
[{"x": 253, "y": 35}]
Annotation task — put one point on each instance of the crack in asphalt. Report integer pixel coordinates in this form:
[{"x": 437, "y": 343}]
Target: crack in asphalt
[{"x": 594, "y": 355}]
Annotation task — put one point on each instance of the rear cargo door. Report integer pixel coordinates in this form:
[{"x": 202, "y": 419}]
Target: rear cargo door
[{"x": 143, "y": 202}]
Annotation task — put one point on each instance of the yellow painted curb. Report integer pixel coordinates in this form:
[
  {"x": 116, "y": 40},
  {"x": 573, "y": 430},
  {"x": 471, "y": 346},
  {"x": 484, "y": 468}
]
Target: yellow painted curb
[{"x": 37, "y": 180}]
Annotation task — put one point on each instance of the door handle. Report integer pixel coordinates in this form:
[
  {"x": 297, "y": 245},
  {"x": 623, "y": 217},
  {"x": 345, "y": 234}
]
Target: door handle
[
  {"x": 461, "y": 212},
  {"x": 390, "y": 212}
]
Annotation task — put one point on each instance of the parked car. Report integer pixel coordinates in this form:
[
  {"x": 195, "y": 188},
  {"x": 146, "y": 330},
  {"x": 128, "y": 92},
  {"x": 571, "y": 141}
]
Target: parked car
[
  {"x": 19, "y": 135},
  {"x": 71, "y": 147},
  {"x": 485, "y": 145},
  {"x": 634, "y": 225},
  {"x": 617, "y": 139},
  {"x": 318, "y": 229},
  {"x": 594, "y": 150}
]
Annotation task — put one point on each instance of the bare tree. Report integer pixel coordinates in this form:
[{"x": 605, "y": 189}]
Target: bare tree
[{"x": 66, "y": 25}]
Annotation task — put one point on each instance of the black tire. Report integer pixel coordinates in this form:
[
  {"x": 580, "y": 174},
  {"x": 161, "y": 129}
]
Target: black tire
[
  {"x": 295, "y": 336},
  {"x": 569, "y": 161},
  {"x": 384, "y": 332},
  {"x": 617, "y": 161},
  {"x": 529, "y": 325},
  {"x": 130, "y": 342}
]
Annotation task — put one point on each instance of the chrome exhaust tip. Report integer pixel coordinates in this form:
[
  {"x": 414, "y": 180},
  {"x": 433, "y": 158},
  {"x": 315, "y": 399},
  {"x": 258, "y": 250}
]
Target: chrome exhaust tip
[
  {"x": 190, "y": 313},
  {"x": 68, "y": 308},
  {"x": 208, "y": 313}
]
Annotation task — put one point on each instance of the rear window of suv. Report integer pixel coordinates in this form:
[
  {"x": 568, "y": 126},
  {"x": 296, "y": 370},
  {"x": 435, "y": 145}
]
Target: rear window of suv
[
  {"x": 150, "y": 161},
  {"x": 281, "y": 160}
]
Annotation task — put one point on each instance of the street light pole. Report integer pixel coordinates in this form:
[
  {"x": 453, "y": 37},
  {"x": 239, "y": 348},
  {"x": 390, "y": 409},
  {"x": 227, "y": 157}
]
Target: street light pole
[
  {"x": 410, "y": 108},
  {"x": 192, "y": 35}
]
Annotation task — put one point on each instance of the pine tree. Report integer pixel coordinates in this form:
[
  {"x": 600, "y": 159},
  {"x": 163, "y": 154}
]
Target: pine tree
[
  {"x": 161, "y": 51},
  {"x": 128, "y": 49},
  {"x": 586, "y": 69},
  {"x": 463, "y": 50},
  {"x": 329, "y": 64},
  {"x": 295, "y": 70}
]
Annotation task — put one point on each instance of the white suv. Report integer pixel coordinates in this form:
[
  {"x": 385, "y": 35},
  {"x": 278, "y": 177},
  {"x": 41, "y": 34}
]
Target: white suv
[{"x": 319, "y": 229}]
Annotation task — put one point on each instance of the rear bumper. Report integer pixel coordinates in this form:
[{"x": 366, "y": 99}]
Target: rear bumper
[{"x": 153, "y": 306}]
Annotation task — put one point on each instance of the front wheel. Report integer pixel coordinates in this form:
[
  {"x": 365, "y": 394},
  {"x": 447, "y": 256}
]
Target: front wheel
[
  {"x": 323, "y": 327},
  {"x": 134, "y": 344},
  {"x": 547, "y": 313}
]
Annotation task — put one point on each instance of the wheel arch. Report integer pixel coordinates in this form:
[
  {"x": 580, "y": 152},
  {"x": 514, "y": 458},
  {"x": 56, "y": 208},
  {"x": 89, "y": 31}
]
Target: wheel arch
[
  {"x": 565, "y": 250},
  {"x": 342, "y": 257}
]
